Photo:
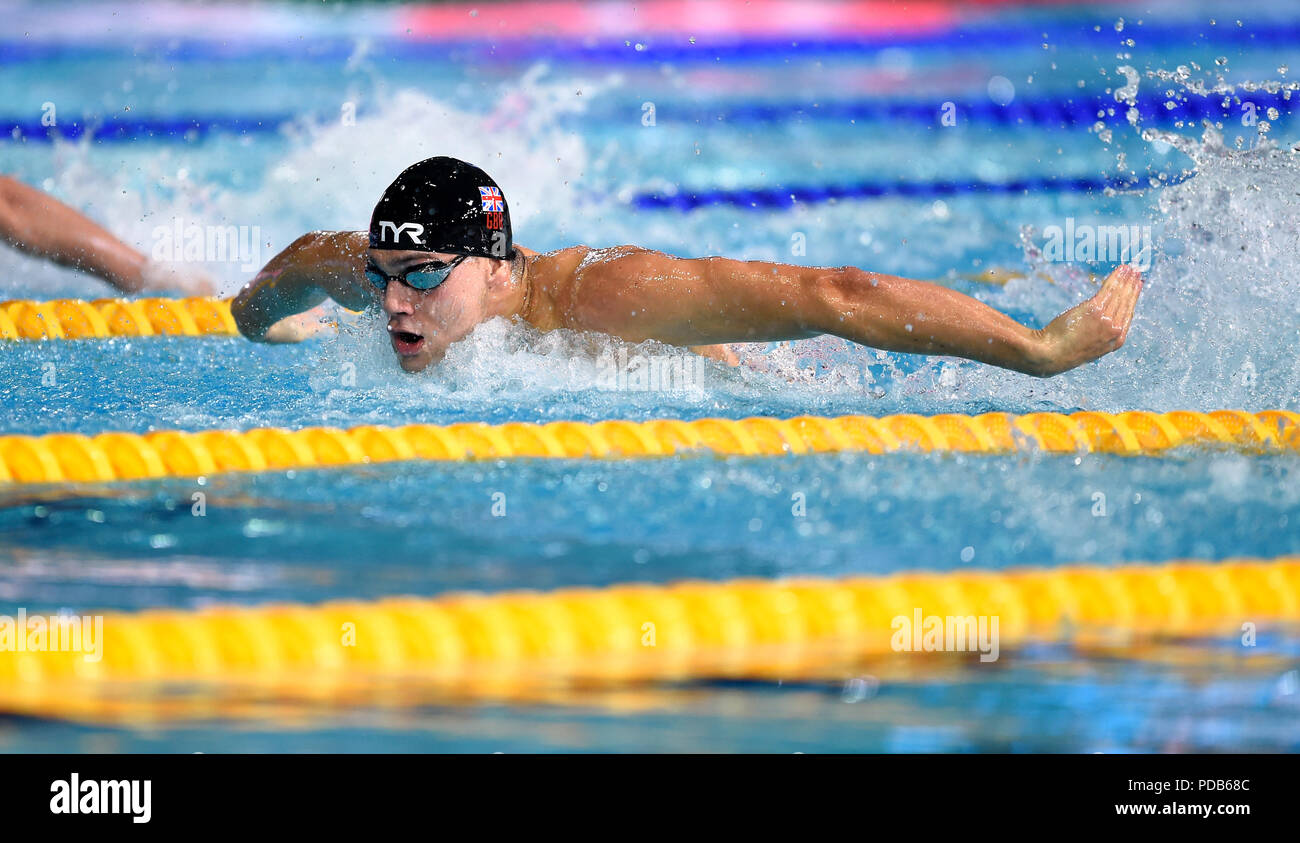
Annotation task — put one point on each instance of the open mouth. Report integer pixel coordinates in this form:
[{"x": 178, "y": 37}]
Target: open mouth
[{"x": 406, "y": 343}]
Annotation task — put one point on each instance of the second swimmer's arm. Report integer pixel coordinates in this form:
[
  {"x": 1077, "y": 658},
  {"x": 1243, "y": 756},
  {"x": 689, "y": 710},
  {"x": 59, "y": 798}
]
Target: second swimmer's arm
[
  {"x": 315, "y": 267},
  {"x": 38, "y": 224}
]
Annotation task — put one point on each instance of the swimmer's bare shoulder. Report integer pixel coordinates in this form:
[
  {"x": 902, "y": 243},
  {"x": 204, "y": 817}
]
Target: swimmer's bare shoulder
[
  {"x": 552, "y": 278},
  {"x": 597, "y": 287},
  {"x": 568, "y": 295}
]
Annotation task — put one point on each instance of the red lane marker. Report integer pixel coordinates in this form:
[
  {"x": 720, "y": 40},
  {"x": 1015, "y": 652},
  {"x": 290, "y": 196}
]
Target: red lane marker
[{"x": 794, "y": 18}]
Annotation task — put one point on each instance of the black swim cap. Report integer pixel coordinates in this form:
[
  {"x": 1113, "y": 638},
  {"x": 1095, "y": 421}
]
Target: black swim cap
[{"x": 443, "y": 205}]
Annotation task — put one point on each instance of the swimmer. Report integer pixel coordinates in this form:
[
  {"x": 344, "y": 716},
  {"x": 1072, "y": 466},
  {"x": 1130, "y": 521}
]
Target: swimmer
[
  {"x": 35, "y": 223},
  {"x": 439, "y": 259}
]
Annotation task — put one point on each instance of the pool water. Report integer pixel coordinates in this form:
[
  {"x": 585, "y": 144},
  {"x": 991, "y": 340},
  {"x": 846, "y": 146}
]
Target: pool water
[{"x": 567, "y": 139}]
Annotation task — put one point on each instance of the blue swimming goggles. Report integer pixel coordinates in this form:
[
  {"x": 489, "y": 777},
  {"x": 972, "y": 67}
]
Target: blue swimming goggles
[{"x": 423, "y": 278}]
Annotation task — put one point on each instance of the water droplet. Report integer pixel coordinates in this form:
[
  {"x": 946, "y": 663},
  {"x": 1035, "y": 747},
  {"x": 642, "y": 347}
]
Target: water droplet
[{"x": 1001, "y": 90}]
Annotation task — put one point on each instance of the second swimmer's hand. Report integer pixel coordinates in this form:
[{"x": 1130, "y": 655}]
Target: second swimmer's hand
[
  {"x": 160, "y": 277},
  {"x": 299, "y": 327},
  {"x": 1091, "y": 329}
]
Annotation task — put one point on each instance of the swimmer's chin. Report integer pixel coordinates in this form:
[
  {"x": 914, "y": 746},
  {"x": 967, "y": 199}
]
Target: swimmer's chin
[
  {"x": 417, "y": 362},
  {"x": 413, "y": 364}
]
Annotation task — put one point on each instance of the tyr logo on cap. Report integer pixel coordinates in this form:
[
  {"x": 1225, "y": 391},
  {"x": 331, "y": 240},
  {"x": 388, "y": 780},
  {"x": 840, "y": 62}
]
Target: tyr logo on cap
[{"x": 412, "y": 228}]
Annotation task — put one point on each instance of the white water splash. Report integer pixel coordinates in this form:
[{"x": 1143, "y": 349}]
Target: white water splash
[
  {"x": 328, "y": 177},
  {"x": 1215, "y": 326}
]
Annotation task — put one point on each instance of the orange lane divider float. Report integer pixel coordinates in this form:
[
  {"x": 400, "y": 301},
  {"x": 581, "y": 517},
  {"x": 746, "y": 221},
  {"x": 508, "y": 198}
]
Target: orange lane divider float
[
  {"x": 59, "y": 319},
  {"x": 765, "y": 629},
  {"x": 72, "y": 457}
]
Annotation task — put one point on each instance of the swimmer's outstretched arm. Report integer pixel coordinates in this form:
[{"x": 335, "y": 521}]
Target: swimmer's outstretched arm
[
  {"x": 317, "y": 266},
  {"x": 640, "y": 294},
  {"x": 36, "y": 223}
]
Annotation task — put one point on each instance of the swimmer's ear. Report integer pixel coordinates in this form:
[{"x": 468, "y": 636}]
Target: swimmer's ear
[{"x": 499, "y": 273}]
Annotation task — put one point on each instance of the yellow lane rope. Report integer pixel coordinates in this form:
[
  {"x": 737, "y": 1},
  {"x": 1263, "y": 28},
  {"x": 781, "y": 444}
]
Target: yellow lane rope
[
  {"x": 476, "y": 643},
  {"x": 23, "y": 319},
  {"x": 64, "y": 457}
]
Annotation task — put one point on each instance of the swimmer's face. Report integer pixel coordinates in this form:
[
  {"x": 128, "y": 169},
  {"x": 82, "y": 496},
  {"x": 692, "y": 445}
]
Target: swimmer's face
[{"x": 422, "y": 323}]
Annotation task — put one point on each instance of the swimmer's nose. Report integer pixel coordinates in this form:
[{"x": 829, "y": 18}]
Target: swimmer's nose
[{"x": 398, "y": 299}]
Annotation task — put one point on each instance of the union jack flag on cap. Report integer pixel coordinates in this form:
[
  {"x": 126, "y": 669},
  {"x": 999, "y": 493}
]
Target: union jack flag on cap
[{"x": 492, "y": 199}]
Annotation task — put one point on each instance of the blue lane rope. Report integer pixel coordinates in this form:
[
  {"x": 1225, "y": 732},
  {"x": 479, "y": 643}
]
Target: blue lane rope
[
  {"x": 1045, "y": 111},
  {"x": 676, "y": 47},
  {"x": 788, "y": 197},
  {"x": 124, "y": 129}
]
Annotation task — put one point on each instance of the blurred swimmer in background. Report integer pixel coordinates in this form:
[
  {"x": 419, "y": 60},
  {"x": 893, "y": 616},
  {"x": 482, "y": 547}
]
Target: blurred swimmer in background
[{"x": 35, "y": 223}]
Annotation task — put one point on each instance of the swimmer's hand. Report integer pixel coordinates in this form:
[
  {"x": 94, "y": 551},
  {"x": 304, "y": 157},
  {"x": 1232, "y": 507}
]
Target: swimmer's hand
[
  {"x": 299, "y": 327},
  {"x": 721, "y": 353},
  {"x": 1091, "y": 329}
]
